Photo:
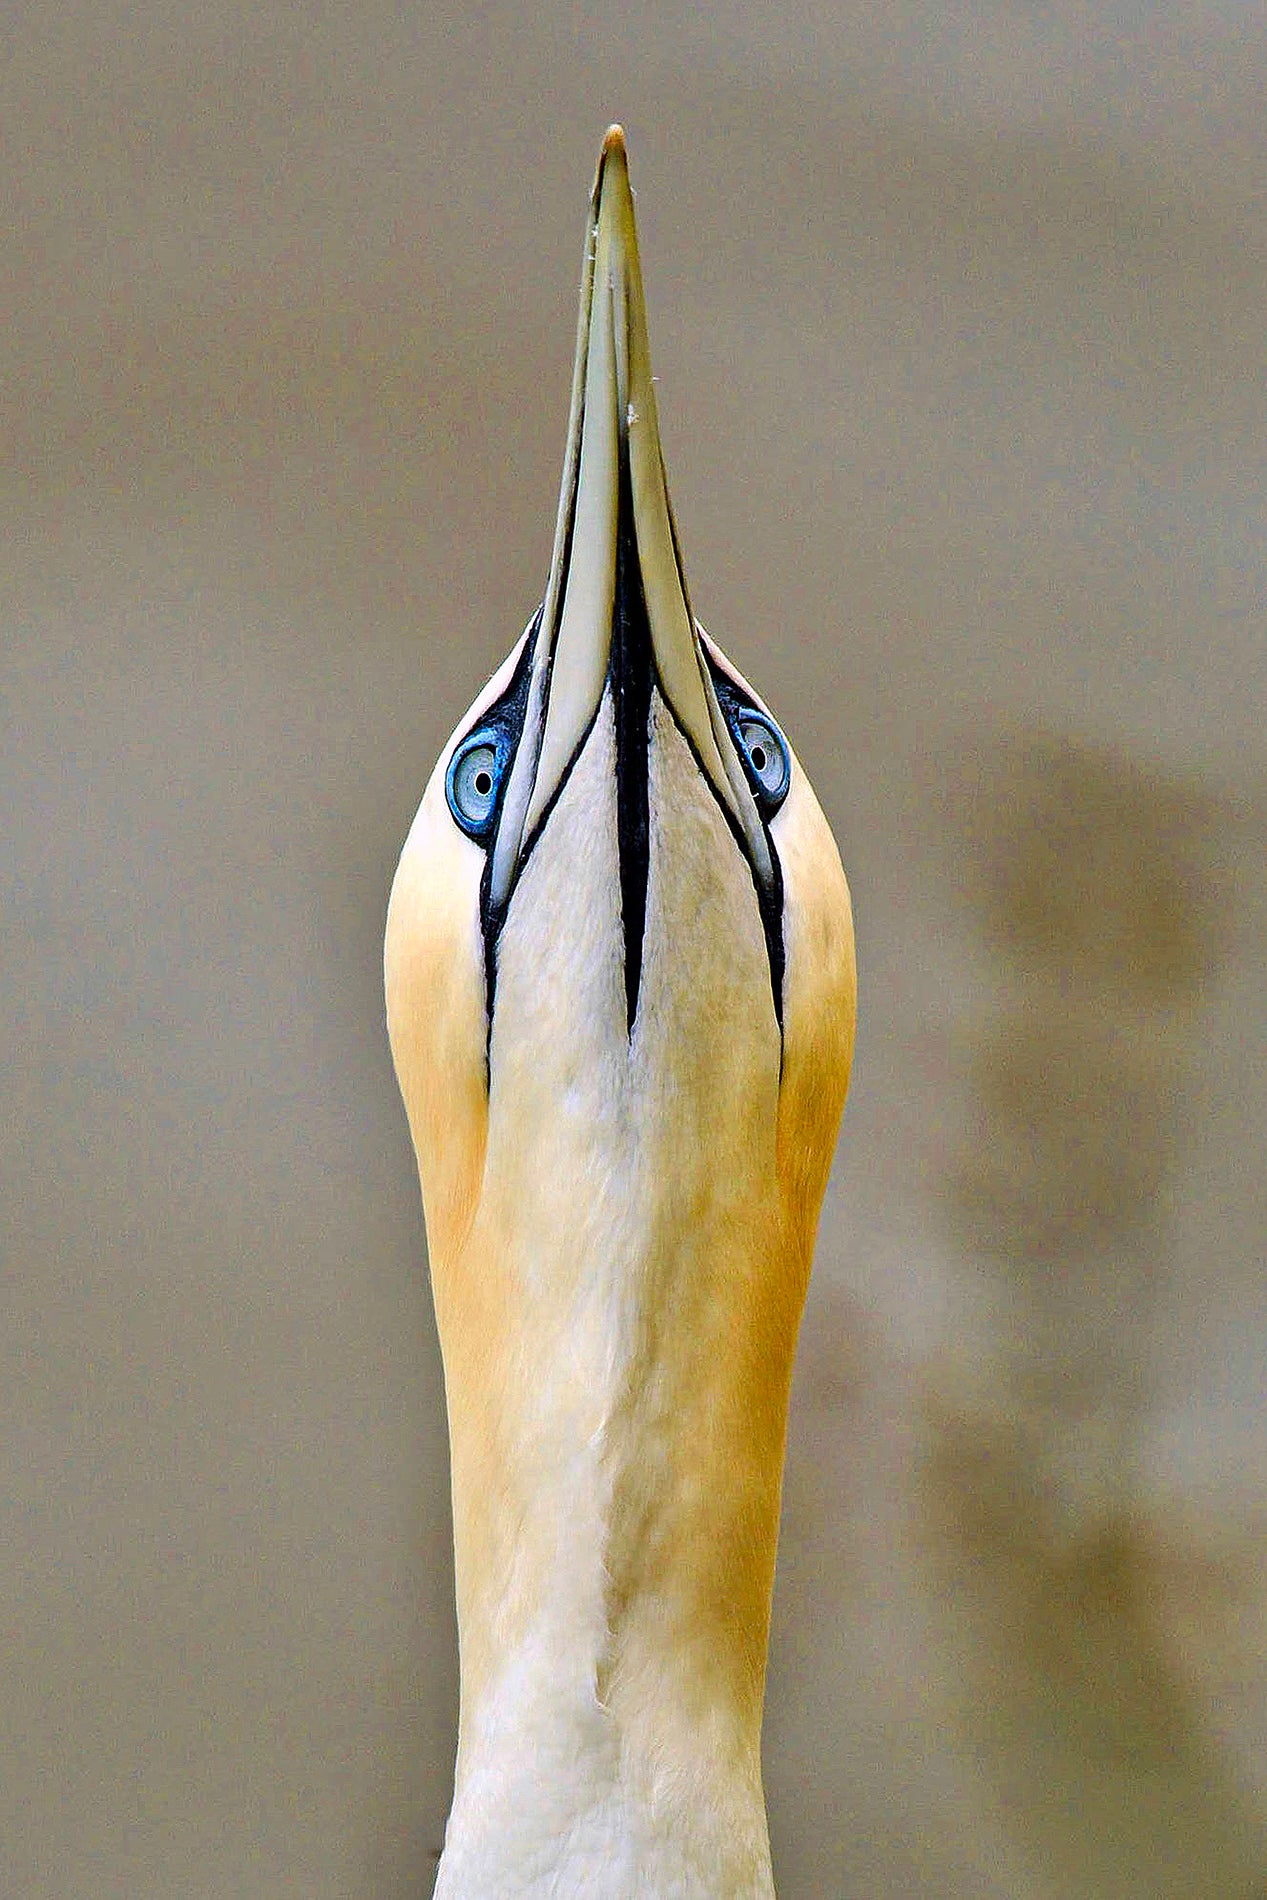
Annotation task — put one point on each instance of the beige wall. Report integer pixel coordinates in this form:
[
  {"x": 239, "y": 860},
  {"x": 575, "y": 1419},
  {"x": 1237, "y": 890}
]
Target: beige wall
[{"x": 958, "y": 319}]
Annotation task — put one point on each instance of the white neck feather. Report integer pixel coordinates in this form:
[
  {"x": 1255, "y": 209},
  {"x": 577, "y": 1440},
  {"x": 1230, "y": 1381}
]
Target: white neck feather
[{"x": 558, "y": 1794}]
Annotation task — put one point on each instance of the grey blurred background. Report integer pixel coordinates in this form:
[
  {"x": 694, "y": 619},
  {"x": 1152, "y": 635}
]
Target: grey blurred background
[{"x": 958, "y": 319}]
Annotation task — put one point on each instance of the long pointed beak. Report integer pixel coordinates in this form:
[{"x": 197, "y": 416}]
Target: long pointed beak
[{"x": 614, "y": 499}]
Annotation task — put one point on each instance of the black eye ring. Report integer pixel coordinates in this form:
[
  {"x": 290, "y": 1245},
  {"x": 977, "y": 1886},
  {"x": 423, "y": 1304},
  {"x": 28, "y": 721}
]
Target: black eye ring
[{"x": 473, "y": 782}]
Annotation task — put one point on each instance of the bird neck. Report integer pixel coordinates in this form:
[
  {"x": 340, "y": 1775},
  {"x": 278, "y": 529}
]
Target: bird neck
[{"x": 618, "y": 1337}]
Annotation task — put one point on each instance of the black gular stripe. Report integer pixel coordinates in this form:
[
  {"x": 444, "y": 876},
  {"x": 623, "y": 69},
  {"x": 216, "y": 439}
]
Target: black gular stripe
[{"x": 631, "y": 673}]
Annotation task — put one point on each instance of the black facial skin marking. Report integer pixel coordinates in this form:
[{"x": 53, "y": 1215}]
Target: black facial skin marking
[
  {"x": 631, "y": 677},
  {"x": 736, "y": 705},
  {"x": 769, "y": 900},
  {"x": 506, "y": 717}
]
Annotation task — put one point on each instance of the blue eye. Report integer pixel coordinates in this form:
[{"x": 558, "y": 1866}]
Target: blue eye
[
  {"x": 472, "y": 783},
  {"x": 767, "y": 755}
]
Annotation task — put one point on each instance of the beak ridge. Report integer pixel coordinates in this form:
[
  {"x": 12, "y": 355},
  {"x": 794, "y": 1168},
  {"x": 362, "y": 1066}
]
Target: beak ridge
[{"x": 613, "y": 427}]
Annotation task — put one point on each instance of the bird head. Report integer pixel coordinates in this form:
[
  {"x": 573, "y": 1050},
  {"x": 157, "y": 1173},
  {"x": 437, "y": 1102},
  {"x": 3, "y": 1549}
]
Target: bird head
[{"x": 620, "y": 985}]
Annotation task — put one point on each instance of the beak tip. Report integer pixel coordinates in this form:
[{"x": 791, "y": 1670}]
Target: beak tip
[{"x": 614, "y": 154}]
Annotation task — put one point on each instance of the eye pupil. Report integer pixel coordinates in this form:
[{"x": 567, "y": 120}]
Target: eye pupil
[
  {"x": 758, "y": 757},
  {"x": 483, "y": 783}
]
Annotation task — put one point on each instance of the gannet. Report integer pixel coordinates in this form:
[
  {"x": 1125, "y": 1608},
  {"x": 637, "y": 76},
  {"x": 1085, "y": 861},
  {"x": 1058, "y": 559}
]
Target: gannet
[{"x": 620, "y": 997}]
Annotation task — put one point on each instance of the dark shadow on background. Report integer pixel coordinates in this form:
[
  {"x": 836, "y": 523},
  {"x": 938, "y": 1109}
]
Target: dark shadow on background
[{"x": 1102, "y": 891}]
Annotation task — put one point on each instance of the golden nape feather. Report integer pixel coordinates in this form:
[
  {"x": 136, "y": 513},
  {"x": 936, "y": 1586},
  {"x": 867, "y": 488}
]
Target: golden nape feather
[{"x": 620, "y": 993}]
